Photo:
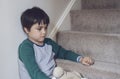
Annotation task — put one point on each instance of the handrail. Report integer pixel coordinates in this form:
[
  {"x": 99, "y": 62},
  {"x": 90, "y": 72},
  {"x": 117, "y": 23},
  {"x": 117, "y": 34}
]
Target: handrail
[{"x": 61, "y": 19}]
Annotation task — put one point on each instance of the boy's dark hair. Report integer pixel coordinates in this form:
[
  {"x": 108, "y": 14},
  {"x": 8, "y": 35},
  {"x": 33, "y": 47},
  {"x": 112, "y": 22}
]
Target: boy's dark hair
[{"x": 33, "y": 16}]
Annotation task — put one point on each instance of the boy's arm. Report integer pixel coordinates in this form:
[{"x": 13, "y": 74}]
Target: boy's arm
[
  {"x": 63, "y": 53},
  {"x": 26, "y": 55}
]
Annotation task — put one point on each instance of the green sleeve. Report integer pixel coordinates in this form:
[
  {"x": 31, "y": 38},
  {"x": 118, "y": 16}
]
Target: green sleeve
[
  {"x": 63, "y": 53},
  {"x": 26, "y": 55}
]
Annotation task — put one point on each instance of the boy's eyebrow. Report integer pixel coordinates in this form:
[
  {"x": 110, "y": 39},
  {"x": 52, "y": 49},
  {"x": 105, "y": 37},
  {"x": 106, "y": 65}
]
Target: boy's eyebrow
[{"x": 42, "y": 25}]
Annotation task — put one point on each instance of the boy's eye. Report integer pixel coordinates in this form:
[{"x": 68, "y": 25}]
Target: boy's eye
[
  {"x": 39, "y": 29},
  {"x": 45, "y": 28}
]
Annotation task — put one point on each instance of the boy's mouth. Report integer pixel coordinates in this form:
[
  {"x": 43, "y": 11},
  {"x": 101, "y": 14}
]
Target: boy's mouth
[{"x": 43, "y": 36}]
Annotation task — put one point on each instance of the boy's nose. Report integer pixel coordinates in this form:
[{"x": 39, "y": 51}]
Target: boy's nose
[{"x": 43, "y": 31}]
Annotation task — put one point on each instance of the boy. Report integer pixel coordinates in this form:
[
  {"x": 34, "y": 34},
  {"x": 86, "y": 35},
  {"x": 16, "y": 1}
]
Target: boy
[{"x": 37, "y": 54}]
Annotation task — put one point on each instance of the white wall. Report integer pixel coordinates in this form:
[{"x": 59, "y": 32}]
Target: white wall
[
  {"x": 66, "y": 25},
  {"x": 11, "y": 33}
]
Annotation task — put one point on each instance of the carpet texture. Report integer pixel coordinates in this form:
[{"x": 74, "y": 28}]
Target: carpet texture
[{"x": 95, "y": 32}]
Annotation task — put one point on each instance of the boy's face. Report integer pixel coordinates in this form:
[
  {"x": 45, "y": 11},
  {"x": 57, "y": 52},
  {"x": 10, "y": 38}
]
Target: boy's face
[{"x": 37, "y": 33}]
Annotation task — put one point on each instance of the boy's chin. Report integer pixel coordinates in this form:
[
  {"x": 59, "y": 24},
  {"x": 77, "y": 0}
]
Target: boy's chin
[{"x": 41, "y": 41}]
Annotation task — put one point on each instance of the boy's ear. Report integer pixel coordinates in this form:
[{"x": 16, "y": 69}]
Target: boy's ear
[{"x": 26, "y": 30}]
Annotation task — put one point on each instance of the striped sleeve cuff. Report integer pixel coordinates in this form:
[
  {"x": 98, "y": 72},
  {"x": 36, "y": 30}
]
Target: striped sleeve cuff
[{"x": 79, "y": 58}]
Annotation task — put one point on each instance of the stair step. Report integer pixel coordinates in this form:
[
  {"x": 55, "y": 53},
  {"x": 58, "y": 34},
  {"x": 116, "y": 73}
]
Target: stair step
[
  {"x": 100, "y": 46},
  {"x": 100, "y": 4},
  {"x": 96, "y": 20},
  {"x": 99, "y": 70}
]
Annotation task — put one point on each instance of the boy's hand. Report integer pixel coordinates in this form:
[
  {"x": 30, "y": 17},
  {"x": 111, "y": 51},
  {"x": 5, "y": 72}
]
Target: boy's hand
[{"x": 87, "y": 61}]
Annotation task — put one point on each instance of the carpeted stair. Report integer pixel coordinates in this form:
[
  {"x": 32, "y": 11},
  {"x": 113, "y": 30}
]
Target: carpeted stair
[
  {"x": 100, "y": 4},
  {"x": 95, "y": 32},
  {"x": 96, "y": 20}
]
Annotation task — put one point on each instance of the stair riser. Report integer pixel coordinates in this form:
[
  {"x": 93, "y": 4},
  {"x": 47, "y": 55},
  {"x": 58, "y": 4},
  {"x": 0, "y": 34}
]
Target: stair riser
[
  {"x": 100, "y": 4},
  {"x": 105, "y": 21}
]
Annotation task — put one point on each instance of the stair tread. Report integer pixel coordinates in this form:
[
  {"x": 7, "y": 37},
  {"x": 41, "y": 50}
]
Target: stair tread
[
  {"x": 90, "y": 33},
  {"x": 95, "y": 10},
  {"x": 98, "y": 70}
]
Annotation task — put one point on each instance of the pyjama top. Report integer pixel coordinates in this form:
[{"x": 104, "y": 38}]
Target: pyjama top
[{"x": 38, "y": 62}]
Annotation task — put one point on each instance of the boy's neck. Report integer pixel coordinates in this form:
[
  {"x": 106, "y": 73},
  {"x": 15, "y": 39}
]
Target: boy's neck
[{"x": 37, "y": 43}]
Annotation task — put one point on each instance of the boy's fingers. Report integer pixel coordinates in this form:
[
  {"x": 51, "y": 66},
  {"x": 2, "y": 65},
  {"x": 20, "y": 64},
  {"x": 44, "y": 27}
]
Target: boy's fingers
[
  {"x": 91, "y": 61},
  {"x": 87, "y": 64},
  {"x": 88, "y": 61}
]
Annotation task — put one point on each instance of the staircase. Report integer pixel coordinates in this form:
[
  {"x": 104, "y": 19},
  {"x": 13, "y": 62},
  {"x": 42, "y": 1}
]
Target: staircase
[{"x": 95, "y": 32}]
